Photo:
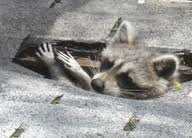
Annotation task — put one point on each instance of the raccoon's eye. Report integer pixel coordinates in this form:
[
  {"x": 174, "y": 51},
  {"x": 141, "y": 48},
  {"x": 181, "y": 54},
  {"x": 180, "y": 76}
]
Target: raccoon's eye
[
  {"x": 124, "y": 81},
  {"x": 106, "y": 64}
]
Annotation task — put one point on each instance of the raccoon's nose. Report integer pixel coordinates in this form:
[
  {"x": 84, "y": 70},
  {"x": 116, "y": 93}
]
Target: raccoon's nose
[{"x": 98, "y": 85}]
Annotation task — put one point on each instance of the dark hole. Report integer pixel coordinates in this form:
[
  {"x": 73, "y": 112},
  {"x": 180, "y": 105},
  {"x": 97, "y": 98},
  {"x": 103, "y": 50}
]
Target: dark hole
[{"x": 86, "y": 53}]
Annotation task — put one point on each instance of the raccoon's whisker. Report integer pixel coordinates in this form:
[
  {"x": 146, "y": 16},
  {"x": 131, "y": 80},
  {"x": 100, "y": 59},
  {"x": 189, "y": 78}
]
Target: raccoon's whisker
[
  {"x": 133, "y": 95},
  {"x": 133, "y": 90},
  {"x": 128, "y": 93}
]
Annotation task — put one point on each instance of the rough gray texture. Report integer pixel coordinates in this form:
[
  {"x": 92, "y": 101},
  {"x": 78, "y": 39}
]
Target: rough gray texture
[
  {"x": 26, "y": 99},
  {"x": 25, "y": 96}
]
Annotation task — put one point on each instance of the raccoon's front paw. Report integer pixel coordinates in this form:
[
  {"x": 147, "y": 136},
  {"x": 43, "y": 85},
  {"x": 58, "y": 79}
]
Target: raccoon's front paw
[
  {"x": 45, "y": 53},
  {"x": 74, "y": 69},
  {"x": 69, "y": 62}
]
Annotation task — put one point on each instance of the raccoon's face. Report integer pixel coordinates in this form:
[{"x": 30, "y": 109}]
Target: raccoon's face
[{"x": 132, "y": 72}]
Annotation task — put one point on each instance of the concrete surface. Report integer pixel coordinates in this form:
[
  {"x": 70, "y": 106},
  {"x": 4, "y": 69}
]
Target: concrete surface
[
  {"x": 25, "y": 99},
  {"x": 25, "y": 96}
]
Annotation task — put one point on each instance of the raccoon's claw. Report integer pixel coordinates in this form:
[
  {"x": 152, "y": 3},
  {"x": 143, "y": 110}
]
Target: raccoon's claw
[
  {"x": 68, "y": 61},
  {"x": 45, "y": 53}
]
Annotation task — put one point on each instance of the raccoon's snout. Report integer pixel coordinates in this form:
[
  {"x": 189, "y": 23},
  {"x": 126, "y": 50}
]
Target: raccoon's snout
[{"x": 98, "y": 85}]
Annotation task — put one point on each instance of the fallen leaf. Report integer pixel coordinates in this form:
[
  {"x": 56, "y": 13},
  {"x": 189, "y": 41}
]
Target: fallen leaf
[
  {"x": 178, "y": 86},
  {"x": 17, "y": 133},
  {"x": 57, "y": 99},
  {"x": 131, "y": 125}
]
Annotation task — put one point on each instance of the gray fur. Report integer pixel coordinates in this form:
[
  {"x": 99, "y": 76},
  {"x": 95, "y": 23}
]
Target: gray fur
[
  {"x": 151, "y": 71},
  {"x": 132, "y": 71}
]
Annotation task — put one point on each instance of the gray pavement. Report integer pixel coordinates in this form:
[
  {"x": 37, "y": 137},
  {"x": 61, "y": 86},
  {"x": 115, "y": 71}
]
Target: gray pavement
[{"x": 25, "y": 96}]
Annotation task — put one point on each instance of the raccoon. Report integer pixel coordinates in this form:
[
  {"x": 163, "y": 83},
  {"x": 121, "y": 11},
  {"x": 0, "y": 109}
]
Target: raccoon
[{"x": 126, "y": 70}]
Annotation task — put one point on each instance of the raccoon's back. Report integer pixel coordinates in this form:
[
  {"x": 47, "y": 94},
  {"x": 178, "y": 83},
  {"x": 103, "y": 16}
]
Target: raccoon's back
[{"x": 129, "y": 54}]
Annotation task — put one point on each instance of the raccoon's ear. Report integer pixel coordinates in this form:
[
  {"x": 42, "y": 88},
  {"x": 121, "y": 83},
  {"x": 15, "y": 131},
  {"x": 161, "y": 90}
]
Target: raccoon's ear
[
  {"x": 166, "y": 65},
  {"x": 125, "y": 34}
]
